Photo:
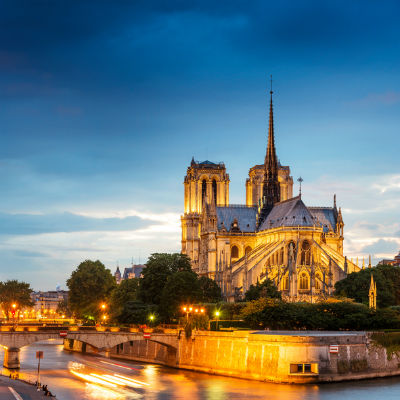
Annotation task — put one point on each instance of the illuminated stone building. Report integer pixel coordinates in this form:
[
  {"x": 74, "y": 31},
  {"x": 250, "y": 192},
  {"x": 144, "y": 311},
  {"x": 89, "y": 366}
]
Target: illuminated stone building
[{"x": 274, "y": 235}]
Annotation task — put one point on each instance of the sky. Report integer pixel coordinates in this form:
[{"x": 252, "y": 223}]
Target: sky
[{"x": 103, "y": 104}]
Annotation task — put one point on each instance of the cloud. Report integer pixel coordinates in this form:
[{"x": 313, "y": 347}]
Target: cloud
[
  {"x": 373, "y": 99},
  {"x": 383, "y": 247}
]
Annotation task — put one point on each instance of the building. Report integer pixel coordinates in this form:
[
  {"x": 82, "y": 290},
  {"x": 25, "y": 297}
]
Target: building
[
  {"x": 274, "y": 235},
  {"x": 133, "y": 271},
  {"x": 395, "y": 261},
  {"x": 46, "y": 303}
]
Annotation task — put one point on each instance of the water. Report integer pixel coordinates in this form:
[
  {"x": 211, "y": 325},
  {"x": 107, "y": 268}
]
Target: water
[{"x": 160, "y": 383}]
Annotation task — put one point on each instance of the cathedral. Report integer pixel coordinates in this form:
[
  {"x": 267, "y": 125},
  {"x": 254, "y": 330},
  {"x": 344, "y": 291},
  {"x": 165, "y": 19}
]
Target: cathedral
[{"x": 274, "y": 235}]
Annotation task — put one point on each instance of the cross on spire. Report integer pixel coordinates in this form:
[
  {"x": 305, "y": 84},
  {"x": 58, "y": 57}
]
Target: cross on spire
[{"x": 300, "y": 180}]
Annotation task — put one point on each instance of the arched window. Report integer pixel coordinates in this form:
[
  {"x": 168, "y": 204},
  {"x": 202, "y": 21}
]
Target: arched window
[
  {"x": 234, "y": 252},
  {"x": 203, "y": 191},
  {"x": 247, "y": 250},
  {"x": 304, "y": 281},
  {"x": 214, "y": 188},
  {"x": 318, "y": 281},
  {"x": 305, "y": 253}
]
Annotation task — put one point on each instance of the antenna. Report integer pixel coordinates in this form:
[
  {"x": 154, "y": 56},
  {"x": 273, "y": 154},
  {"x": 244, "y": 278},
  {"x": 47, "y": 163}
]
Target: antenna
[{"x": 300, "y": 180}]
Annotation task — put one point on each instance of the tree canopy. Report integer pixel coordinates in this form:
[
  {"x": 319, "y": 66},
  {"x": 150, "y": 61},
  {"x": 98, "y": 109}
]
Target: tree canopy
[
  {"x": 126, "y": 291},
  {"x": 265, "y": 289},
  {"x": 15, "y": 292},
  {"x": 159, "y": 268},
  {"x": 356, "y": 285},
  {"x": 210, "y": 291},
  {"x": 89, "y": 285}
]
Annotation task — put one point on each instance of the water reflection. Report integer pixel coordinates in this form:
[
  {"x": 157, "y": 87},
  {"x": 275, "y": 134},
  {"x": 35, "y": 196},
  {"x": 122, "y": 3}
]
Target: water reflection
[{"x": 153, "y": 382}]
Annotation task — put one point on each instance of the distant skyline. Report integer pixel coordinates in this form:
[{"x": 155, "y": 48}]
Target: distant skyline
[{"x": 103, "y": 105}]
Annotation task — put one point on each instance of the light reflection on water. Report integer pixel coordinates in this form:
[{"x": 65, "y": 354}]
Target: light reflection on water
[{"x": 166, "y": 383}]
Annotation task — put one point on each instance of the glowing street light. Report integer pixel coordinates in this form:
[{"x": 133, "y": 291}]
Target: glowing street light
[{"x": 217, "y": 313}]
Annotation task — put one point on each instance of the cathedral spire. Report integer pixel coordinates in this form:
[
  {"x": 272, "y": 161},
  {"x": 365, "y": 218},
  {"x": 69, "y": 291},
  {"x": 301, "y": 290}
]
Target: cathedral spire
[{"x": 271, "y": 188}]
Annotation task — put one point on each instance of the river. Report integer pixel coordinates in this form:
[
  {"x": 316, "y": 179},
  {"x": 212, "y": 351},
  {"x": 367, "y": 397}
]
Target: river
[{"x": 147, "y": 381}]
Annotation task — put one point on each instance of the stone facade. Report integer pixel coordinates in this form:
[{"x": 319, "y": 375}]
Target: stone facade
[{"x": 274, "y": 235}]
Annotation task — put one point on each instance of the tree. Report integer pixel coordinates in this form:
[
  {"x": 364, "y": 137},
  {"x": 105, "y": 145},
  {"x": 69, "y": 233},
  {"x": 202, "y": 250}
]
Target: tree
[
  {"x": 125, "y": 292},
  {"x": 356, "y": 285},
  {"x": 159, "y": 268},
  {"x": 210, "y": 291},
  {"x": 136, "y": 312},
  {"x": 265, "y": 289},
  {"x": 15, "y": 292},
  {"x": 181, "y": 288},
  {"x": 63, "y": 308},
  {"x": 89, "y": 285}
]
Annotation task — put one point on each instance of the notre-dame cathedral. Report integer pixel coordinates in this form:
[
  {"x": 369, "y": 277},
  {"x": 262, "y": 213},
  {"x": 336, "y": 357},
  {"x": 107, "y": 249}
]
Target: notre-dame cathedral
[{"x": 274, "y": 235}]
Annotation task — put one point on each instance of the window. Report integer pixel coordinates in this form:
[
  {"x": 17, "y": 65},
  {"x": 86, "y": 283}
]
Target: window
[
  {"x": 247, "y": 250},
  {"x": 305, "y": 253},
  {"x": 214, "y": 188},
  {"x": 304, "y": 368},
  {"x": 285, "y": 282},
  {"x": 304, "y": 281},
  {"x": 203, "y": 191},
  {"x": 318, "y": 281},
  {"x": 234, "y": 252}
]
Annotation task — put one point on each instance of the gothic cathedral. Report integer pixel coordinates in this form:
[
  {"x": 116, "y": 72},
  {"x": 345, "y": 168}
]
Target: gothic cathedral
[{"x": 274, "y": 235}]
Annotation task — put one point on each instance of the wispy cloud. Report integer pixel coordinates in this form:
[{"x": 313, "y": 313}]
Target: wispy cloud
[{"x": 374, "y": 99}]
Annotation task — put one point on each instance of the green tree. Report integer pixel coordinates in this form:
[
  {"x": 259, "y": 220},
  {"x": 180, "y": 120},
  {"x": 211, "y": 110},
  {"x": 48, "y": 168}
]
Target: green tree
[
  {"x": 15, "y": 292},
  {"x": 356, "y": 285},
  {"x": 159, "y": 268},
  {"x": 210, "y": 291},
  {"x": 89, "y": 285},
  {"x": 181, "y": 288},
  {"x": 123, "y": 293},
  {"x": 265, "y": 289},
  {"x": 136, "y": 312}
]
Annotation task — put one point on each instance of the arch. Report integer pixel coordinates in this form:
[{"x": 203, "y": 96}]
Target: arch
[
  {"x": 305, "y": 253},
  {"x": 319, "y": 281},
  {"x": 234, "y": 252},
  {"x": 304, "y": 281},
  {"x": 247, "y": 250}
]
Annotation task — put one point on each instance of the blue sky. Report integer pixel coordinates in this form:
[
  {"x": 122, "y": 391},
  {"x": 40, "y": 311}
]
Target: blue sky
[{"x": 103, "y": 104}]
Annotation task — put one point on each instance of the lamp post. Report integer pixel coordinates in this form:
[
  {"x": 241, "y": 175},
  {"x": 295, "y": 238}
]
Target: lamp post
[
  {"x": 217, "y": 318},
  {"x": 103, "y": 307}
]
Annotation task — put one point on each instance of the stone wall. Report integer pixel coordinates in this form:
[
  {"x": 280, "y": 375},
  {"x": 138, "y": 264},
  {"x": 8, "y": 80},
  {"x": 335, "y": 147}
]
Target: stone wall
[{"x": 292, "y": 357}]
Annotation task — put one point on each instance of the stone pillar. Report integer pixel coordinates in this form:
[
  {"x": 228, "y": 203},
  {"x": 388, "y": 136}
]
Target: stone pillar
[
  {"x": 107, "y": 353},
  {"x": 11, "y": 358}
]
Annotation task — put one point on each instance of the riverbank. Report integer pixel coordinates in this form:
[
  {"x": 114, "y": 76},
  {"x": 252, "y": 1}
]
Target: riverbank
[
  {"x": 16, "y": 389},
  {"x": 274, "y": 356}
]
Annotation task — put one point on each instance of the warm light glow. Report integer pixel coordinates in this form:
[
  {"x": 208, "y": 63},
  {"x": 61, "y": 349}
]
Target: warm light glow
[
  {"x": 190, "y": 308},
  {"x": 14, "y": 305},
  {"x": 151, "y": 317},
  {"x": 104, "y": 317},
  {"x": 93, "y": 379},
  {"x": 103, "y": 306},
  {"x": 217, "y": 313},
  {"x": 202, "y": 310},
  {"x": 184, "y": 309},
  {"x": 196, "y": 310}
]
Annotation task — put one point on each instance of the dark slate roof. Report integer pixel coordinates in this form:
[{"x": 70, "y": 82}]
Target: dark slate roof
[
  {"x": 206, "y": 162},
  {"x": 325, "y": 216},
  {"x": 292, "y": 212},
  {"x": 136, "y": 269},
  {"x": 246, "y": 217}
]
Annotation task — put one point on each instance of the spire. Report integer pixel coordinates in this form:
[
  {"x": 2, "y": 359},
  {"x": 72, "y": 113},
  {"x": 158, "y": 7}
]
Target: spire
[
  {"x": 372, "y": 294},
  {"x": 369, "y": 263},
  {"x": 271, "y": 188}
]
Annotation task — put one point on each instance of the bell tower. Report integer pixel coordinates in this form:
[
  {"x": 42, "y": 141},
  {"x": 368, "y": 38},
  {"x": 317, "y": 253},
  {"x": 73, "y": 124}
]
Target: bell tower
[{"x": 203, "y": 180}]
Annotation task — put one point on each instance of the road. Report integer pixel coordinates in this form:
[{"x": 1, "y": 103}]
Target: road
[{"x": 11, "y": 389}]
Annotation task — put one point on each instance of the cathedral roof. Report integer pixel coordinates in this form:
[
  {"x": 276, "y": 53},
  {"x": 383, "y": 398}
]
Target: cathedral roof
[
  {"x": 292, "y": 212},
  {"x": 325, "y": 216},
  {"x": 245, "y": 216}
]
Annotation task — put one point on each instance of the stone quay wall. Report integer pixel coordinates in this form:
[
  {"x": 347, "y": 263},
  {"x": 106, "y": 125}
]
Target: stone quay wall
[{"x": 284, "y": 357}]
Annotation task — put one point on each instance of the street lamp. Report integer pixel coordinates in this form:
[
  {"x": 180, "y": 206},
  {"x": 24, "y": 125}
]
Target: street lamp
[{"x": 217, "y": 317}]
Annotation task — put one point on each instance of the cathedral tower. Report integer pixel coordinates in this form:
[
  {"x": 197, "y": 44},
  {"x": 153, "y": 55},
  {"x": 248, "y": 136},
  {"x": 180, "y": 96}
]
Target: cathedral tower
[{"x": 204, "y": 180}]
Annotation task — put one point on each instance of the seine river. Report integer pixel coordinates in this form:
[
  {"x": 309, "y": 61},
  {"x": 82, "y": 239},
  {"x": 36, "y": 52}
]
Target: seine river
[{"x": 65, "y": 373}]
